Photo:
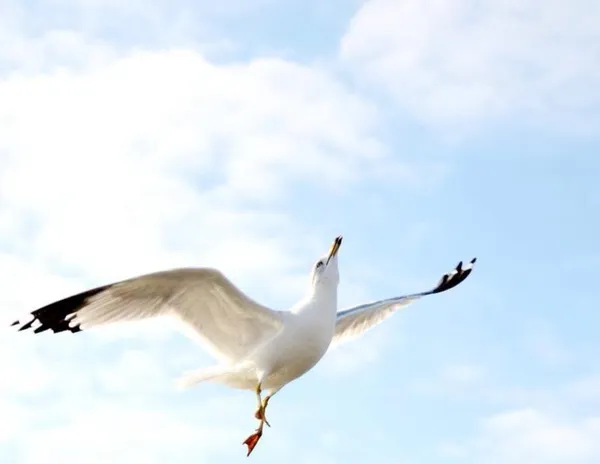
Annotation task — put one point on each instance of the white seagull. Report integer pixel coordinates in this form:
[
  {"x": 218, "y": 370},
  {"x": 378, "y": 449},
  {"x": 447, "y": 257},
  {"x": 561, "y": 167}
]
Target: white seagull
[{"x": 258, "y": 348}]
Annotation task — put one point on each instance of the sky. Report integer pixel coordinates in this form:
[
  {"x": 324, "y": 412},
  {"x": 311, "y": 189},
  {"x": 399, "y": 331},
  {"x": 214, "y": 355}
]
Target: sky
[{"x": 245, "y": 135}]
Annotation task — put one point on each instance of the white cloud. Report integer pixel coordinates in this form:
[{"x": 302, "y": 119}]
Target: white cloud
[
  {"x": 530, "y": 435},
  {"x": 120, "y": 161},
  {"x": 458, "y": 63},
  {"x": 120, "y": 433},
  {"x": 46, "y": 33}
]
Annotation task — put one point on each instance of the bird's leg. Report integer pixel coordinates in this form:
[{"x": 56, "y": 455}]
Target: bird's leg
[
  {"x": 260, "y": 412},
  {"x": 252, "y": 440},
  {"x": 262, "y": 404}
]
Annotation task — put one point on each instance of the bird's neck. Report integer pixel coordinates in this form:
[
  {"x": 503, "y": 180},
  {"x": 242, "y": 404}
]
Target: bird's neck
[{"x": 319, "y": 300}]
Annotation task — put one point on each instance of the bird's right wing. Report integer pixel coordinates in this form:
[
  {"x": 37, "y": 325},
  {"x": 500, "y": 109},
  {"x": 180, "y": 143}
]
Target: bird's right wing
[
  {"x": 354, "y": 321},
  {"x": 227, "y": 321}
]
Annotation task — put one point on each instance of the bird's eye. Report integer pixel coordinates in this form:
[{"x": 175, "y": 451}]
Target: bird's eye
[{"x": 319, "y": 264}]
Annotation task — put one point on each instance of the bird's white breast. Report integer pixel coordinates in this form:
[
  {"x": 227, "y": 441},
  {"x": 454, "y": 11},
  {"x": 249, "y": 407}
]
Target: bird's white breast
[{"x": 299, "y": 347}]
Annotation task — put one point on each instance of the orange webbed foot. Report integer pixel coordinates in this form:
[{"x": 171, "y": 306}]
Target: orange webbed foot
[{"x": 252, "y": 440}]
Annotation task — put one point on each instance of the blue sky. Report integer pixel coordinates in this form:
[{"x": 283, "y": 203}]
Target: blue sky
[{"x": 246, "y": 135}]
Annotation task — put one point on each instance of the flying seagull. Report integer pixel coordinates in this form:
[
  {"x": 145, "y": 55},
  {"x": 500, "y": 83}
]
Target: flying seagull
[{"x": 259, "y": 349}]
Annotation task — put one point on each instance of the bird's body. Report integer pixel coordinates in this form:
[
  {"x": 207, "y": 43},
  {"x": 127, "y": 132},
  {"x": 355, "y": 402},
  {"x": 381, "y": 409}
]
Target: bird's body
[
  {"x": 305, "y": 336},
  {"x": 304, "y": 340},
  {"x": 257, "y": 348}
]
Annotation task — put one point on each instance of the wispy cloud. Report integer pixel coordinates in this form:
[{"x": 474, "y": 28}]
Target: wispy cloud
[
  {"x": 455, "y": 64},
  {"x": 529, "y": 435},
  {"x": 117, "y": 431},
  {"x": 127, "y": 155}
]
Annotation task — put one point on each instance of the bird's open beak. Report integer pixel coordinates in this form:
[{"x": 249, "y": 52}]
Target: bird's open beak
[{"x": 334, "y": 248}]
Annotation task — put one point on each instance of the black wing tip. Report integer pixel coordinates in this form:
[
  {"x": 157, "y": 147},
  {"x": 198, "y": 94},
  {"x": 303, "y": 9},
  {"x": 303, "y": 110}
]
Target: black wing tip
[
  {"x": 455, "y": 277},
  {"x": 55, "y": 316},
  {"x": 56, "y": 325}
]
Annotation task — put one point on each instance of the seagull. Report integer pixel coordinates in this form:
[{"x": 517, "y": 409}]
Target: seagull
[{"x": 257, "y": 348}]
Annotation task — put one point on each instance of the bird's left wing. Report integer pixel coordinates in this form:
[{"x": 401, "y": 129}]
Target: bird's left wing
[
  {"x": 354, "y": 321},
  {"x": 206, "y": 305}
]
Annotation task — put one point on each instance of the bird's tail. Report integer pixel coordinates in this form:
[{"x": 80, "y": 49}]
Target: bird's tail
[
  {"x": 235, "y": 376},
  {"x": 192, "y": 378}
]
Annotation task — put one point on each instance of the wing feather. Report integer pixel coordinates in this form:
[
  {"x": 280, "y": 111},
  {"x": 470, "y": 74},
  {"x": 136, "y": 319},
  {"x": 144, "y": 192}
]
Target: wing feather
[
  {"x": 208, "y": 307},
  {"x": 354, "y": 321}
]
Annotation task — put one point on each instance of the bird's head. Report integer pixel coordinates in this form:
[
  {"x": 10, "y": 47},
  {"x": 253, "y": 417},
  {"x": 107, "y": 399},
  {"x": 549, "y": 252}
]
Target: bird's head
[{"x": 325, "y": 270}]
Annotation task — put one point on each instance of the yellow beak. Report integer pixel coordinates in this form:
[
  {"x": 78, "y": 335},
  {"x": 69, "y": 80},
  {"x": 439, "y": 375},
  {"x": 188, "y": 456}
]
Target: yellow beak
[{"x": 334, "y": 247}]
